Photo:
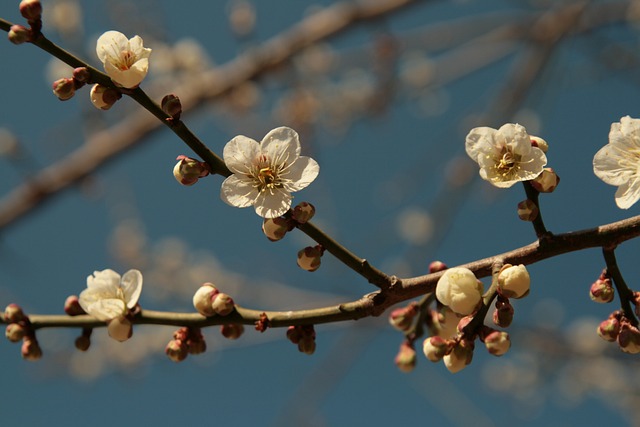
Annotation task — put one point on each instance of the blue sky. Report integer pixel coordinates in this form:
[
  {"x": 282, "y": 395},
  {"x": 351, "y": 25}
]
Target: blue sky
[{"x": 373, "y": 172}]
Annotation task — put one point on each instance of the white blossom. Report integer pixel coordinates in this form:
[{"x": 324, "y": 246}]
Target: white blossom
[
  {"x": 266, "y": 173},
  {"x": 108, "y": 296},
  {"x": 618, "y": 163},
  {"x": 505, "y": 155},
  {"x": 514, "y": 281},
  {"x": 459, "y": 289},
  {"x": 126, "y": 61}
]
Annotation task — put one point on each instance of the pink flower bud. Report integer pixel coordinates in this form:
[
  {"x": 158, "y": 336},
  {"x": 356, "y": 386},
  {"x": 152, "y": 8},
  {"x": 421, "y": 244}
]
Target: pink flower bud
[
  {"x": 276, "y": 228},
  {"x": 13, "y": 314},
  {"x": 232, "y": 331},
  {"x": 195, "y": 341},
  {"x": 120, "y": 328},
  {"x": 402, "y": 318},
  {"x": 436, "y": 266},
  {"x": 406, "y": 358},
  {"x": 602, "y": 291},
  {"x": 460, "y": 356},
  {"x": 514, "y": 281},
  {"x": 103, "y": 97},
  {"x": 31, "y": 349},
  {"x": 304, "y": 336},
  {"x": 172, "y": 106},
  {"x": 187, "y": 171},
  {"x": 18, "y": 34},
  {"x": 503, "y": 315},
  {"x": 72, "y": 306},
  {"x": 222, "y": 304},
  {"x": 309, "y": 258},
  {"x": 546, "y": 182},
  {"x": 497, "y": 342},
  {"x": 536, "y": 141},
  {"x": 463, "y": 323},
  {"x": 202, "y": 299},
  {"x": 15, "y": 332},
  {"x": 609, "y": 329},
  {"x": 527, "y": 210},
  {"x": 629, "y": 338},
  {"x": 81, "y": 74},
  {"x": 435, "y": 348},
  {"x": 303, "y": 212},
  {"x": 64, "y": 89},
  {"x": 31, "y": 10},
  {"x": 176, "y": 350}
]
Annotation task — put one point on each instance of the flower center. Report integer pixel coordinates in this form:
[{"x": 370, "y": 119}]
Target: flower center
[
  {"x": 507, "y": 162},
  {"x": 268, "y": 175},
  {"x": 127, "y": 59}
]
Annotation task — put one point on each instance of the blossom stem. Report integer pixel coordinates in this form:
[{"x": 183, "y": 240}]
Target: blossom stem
[
  {"x": 624, "y": 293},
  {"x": 538, "y": 223}
]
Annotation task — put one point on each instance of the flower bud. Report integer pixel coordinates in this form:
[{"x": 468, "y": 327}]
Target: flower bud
[
  {"x": 514, "y": 281},
  {"x": 609, "y": 329},
  {"x": 406, "y": 358},
  {"x": 18, "y": 34},
  {"x": 436, "y": 266},
  {"x": 13, "y": 314},
  {"x": 527, "y": 210},
  {"x": 536, "y": 141},
  {"x": 72, "y": 306},
  {"x": 629, "y": 339},
  {"x": 636, "y": 301},
  {"x": 202, "y": 299},
  {"x": 276, "y": 228},
  {"x": 232, "y": 331},
  {"x": 176, "y": 350},
  {"x": 172, "y": 106},
  {"x": 503, "y": 314},
  {"x": 463, "y": 324},
  {"x": 81, "y": 74},
  {"x": 187, "y": 171},
  {"x": 103, "y": 97},
  {"x": 459, "y": 289},
  {"x": 83, "y": 342},
  {"x": 602, "y": 290},
  {"x": 459, "y": 357},
  {"x": 31, "y": 349},
  {"x": 303, "y": 212},
  {"x": 304, "y": 336},
  {"x": 307, "y": 345},
  {"x": 222, "y": 304},
  {"x": 120, "y": 328},
  {"x": 435, "y": 348},
  {"x": 64, "y": 89},
  {"x": 309, "y": 258},
  {"x": 546, "y": 182},
  {"x": 497, "y": 342},
  {"x": 15, "y": 332},
  {"x": 195, "y": 341},
  {"x": 31, "y": 10},
  {"x": 402, "y": 318}
]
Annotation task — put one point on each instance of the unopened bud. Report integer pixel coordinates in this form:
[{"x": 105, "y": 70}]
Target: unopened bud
[
  {"x": 195, "y": 341},
  {"x": 636, "y": 301},
  {"x": 406, "y": 358},
  {"x": 13, "y": 314},
  {"x": 72, "y": 306},
  {"x": 187, "y": 171},
  {"x": 120, "y": 328},
  {"x": 304, "y": 336},
  {"x": 303, "y": 212},
  {"x": 232, "y": 331},
  {"x": 497, "y": 342},
  {"x": 202, "y": 299},
  {"x": 609, "y": 329},
  {"x": 527, "y": 210},
  {"x": 31, "y": 10},
  {"x": 402, "y": 318},
  {"x": 103, "y": 97},
  {"x": 81, "y": 74},
  {"x": 31, "y": 349},
  {"x": 176, "y": 350},
  {"x": 18, "y": 34},
  {"x": 435, "y": 348},
  {"x": 222, "y": 304},
  {"x": 276, "y": 228},
  {"x": 629, "y": 339},
  {"x": 602, "y": 290},
  {"x": 64, "y": 89},
  {"x": 503, "y": 314},
  {"x": 436, "y": 266},
  {"x": 309, "y": 258},
  {"x": 536, "y": 141},
  {"x": 172, "y": 106},
  {"x": 460, "y": 356},
  {"x": 546, "y": 182},
  {"x": 83, "y": 342},
  {"x": 15, "y": 332},
  {"x": 514, "y": 281}
]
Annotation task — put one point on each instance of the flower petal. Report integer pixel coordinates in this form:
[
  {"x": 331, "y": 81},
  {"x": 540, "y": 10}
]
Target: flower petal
[
  {"x": 103, "y": 281},
  {"x": 108, "y": 42},
  {"x": 607, "y": 167},
  {"x": 240, "y": 154},
  {"x": 272, "y": 205},
  {"x": 281, "y": 145},
  {"x": 301, "y": 173},
  {"x": 479, "y": 140},
  {"x": 107, "y": 309},
  {"x": 237, "y": 192},
  {"x": 131, "y": 287},
  {"x": 628, "y": 193}
]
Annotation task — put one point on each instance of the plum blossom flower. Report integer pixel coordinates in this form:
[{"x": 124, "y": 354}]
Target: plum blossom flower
[
  {"x": 126, "y": 61},
  {"x": 266, "y": 173},
  {"x": 459, "y": 289},
  {"x": 109, "y": 296},
  {"x": 505, "y": 155},
  {"x": 618, "y": 162}
]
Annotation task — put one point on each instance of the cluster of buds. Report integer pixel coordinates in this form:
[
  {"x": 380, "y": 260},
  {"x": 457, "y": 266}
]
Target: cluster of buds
[
  {"x": 65, "y": 88},
  {"x": 406, "y": 358},
  {"x": 276, "y": 228},
  {"x": 602, "y": 289},
  {"x": 209, "y": 301},
  {"x": 185, "y": 341},
  {"x": 456, "y": 353},
  {"x": 403, "y": 318},
  {"x": 304, "y": 336},
  {"x": 309, "y": 258},
  {"x": 188, "y": 171},
  {"x": 31, "y": 10},
  {"x": 617, "y": 328},
  {"x": 19, "y": 329}
]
